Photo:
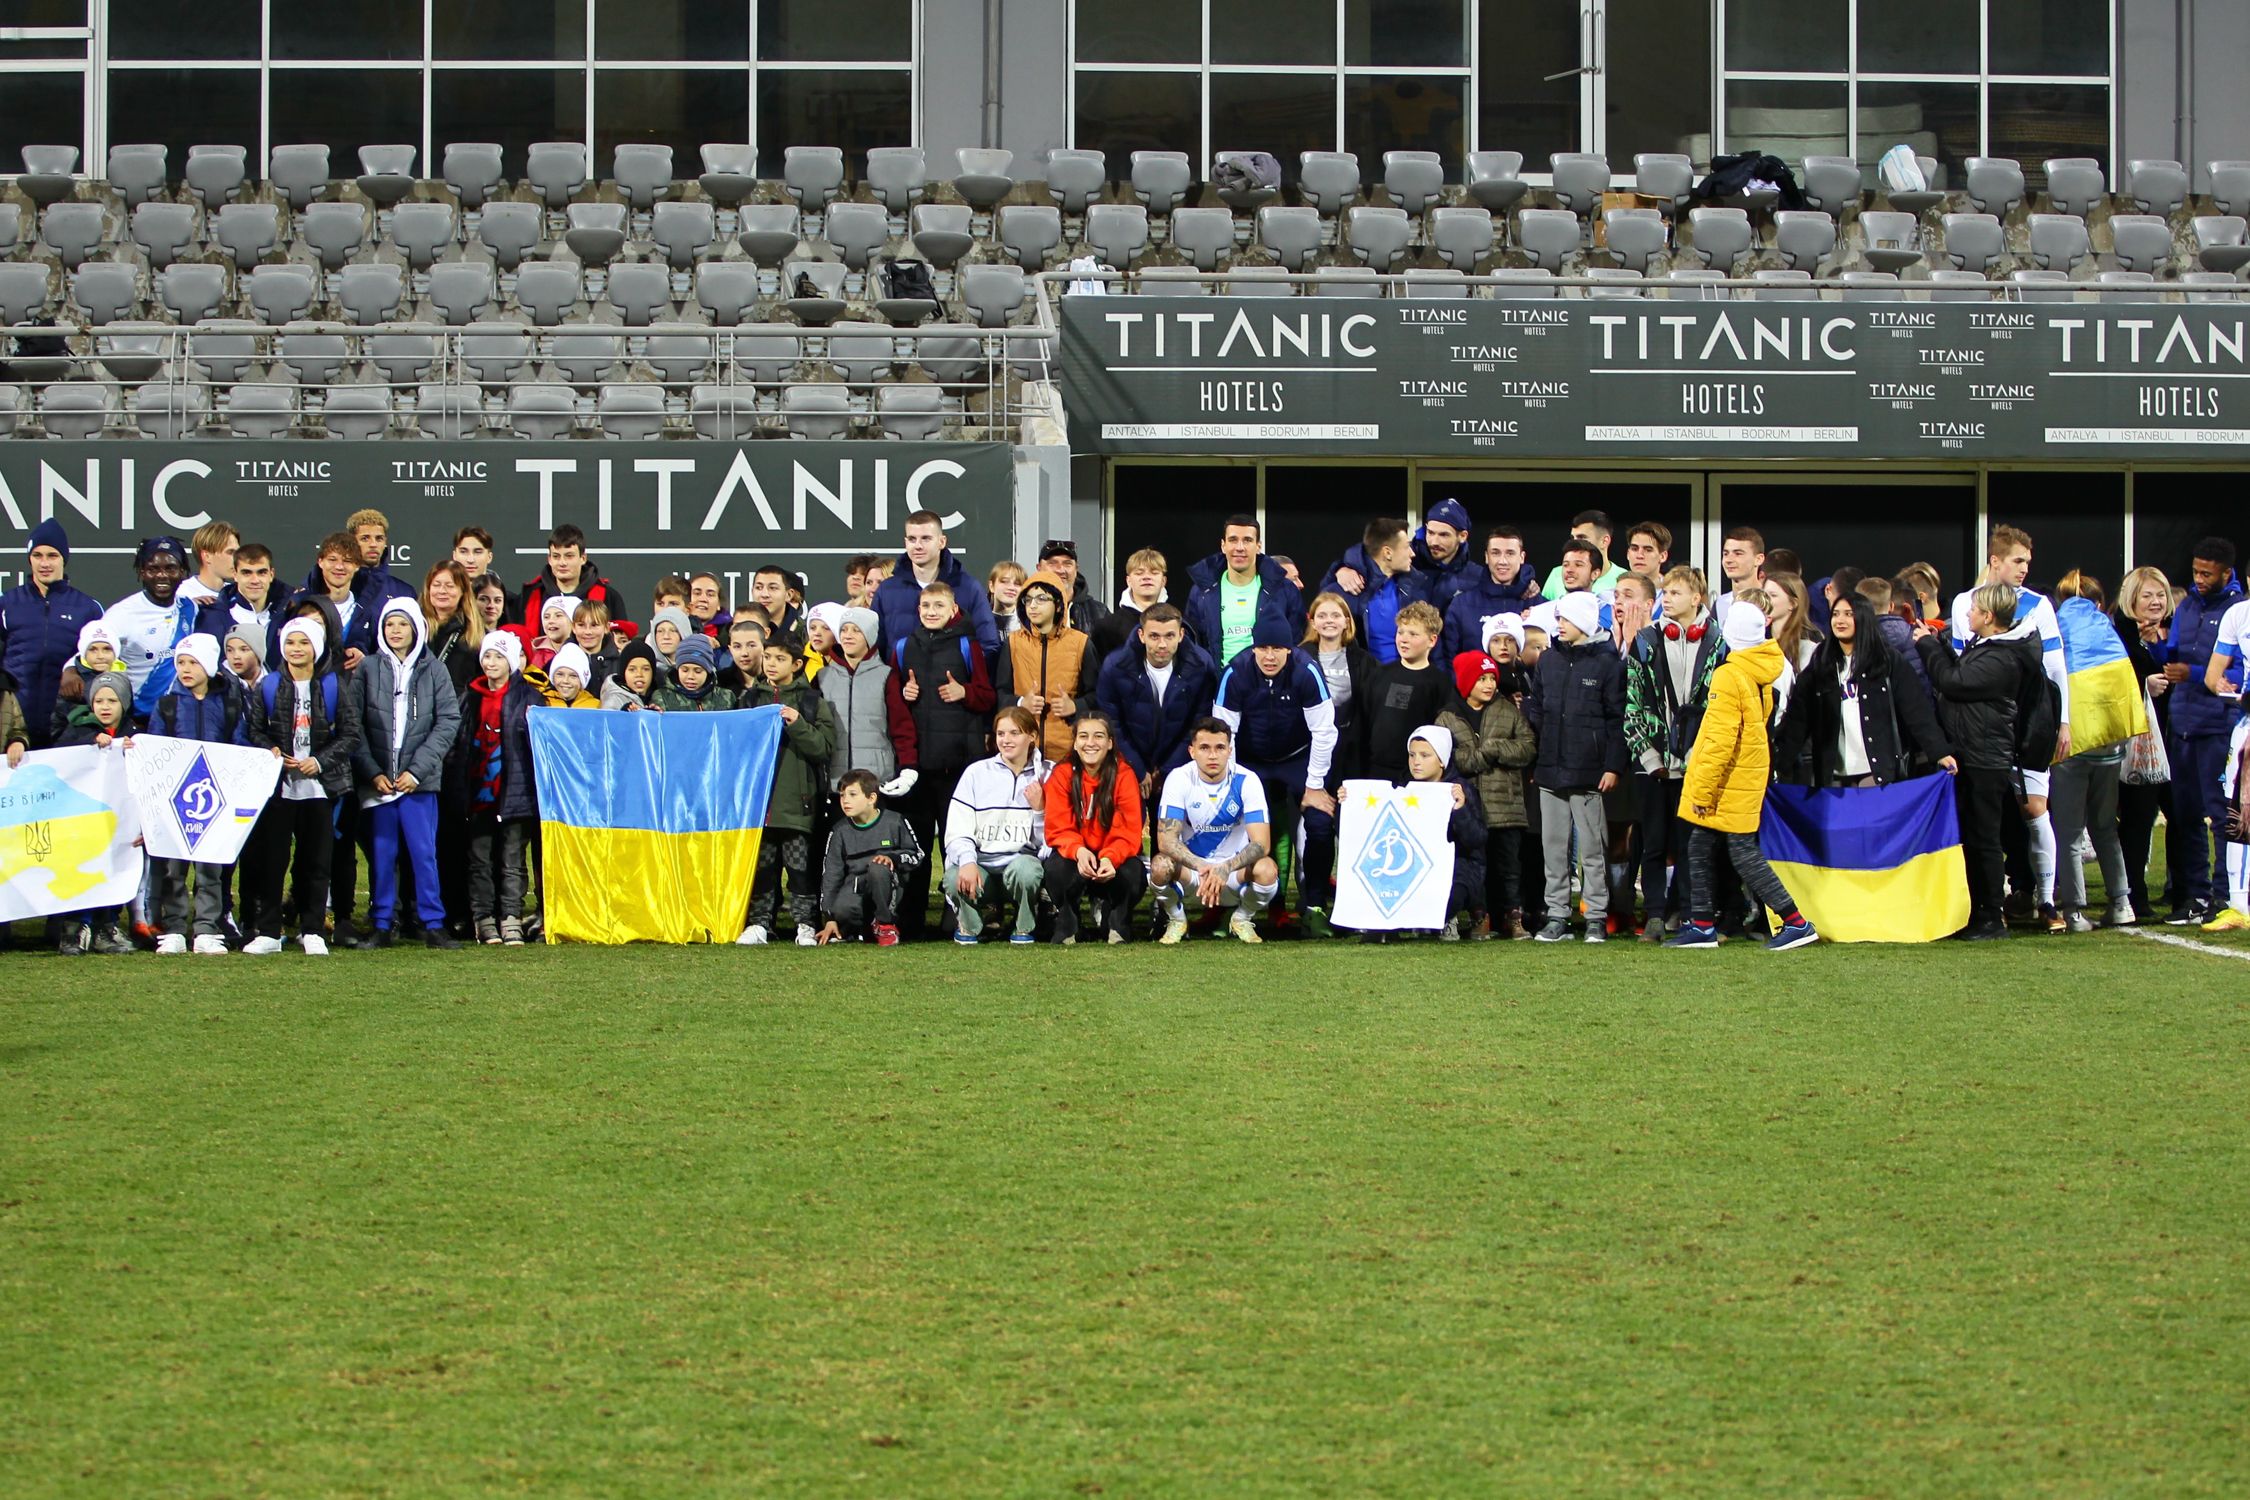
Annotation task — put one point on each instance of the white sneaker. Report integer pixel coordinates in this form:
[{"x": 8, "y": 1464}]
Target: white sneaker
[
  {"x": 806, "y": 938},
  {"x": 753, "y": 936},
  {"x": 262, "y": 946},
  {"x": 211, "y": 943},
  {"x": 1244, "y": 929},
  {"x": 1174, "y": 929},
  {"x": 315, "y": 946},
  {"x": 171, "y": 943}
]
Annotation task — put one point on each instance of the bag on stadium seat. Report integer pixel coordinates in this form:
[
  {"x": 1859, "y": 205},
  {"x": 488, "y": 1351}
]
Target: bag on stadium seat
[
  {"x": 909, "y": 279},
  {"x": 1245, "y": 172},
  {"x": 1901, "y": 171},
  {"x": 2146, "y": 761}
]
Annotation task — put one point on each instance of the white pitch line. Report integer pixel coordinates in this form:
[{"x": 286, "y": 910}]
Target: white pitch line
[{"x": 2181, "y": 942}]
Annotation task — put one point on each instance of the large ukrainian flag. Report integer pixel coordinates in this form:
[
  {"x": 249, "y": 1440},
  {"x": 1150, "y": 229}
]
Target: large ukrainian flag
[
  {"x": 2106, "y": 703},
  {"x": 650, "y": 821},
  {"x": 1871, "y": 864}
]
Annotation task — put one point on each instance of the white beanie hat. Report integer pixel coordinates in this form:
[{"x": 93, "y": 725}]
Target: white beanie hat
[
  {"x": 504, "y": 643},
  {"x": 1581, "y": 609},
  {"x": 571, "y": 658},
  {"x": 1540, "y": 617},
  {"x": 1438, "y": 738},
  {"x": 310, "y": 629},
  {"x": 1509, "y": 625},
  {"x": 567, "y": 603},
  {"x": 830, "y": 615},
  {"x": 1745, "y": 626},
  {"x": 96, "y": 631},
  {"x": 204, "y": 648}
]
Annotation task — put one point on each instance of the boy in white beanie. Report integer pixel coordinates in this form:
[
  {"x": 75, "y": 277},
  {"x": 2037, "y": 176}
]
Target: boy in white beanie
[
  {"x": 1577, "y": 707},
  {"x": 205, "y": 705},
  {"x": 1429, "y": 758}
]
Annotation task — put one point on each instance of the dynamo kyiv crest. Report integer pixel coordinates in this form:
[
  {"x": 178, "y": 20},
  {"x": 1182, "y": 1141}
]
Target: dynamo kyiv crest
[
  {"x": 1392, "y": 862},
  {"x": 196, "y": 802}
]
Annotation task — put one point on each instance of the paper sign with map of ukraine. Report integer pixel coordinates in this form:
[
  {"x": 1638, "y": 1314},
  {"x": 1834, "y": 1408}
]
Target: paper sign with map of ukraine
[{"x": 67, "y": 831}]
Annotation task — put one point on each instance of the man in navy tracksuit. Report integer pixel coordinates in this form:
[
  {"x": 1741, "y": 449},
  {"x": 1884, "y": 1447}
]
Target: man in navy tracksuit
[
  {"x": 39, "y": 625},
  {"x": 2201, "y": 722},
  {"x": 1153, "y": 690},
  {"x": 1506, "y": 585},
  {"x": 1276, "y": 702}
]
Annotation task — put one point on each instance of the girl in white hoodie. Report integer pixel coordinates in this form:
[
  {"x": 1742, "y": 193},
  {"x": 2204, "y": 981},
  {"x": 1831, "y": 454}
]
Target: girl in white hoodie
[{"x": 409, "y": 717}]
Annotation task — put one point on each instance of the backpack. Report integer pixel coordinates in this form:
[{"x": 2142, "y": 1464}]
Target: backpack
[
  {"x": 2038, "y": 720},
  {"x": 1901, "y": 171},
  {"x": 1246, "y": 172},
  {"x": 270, "y": 684},
  {"x": 909, "y": 280}
]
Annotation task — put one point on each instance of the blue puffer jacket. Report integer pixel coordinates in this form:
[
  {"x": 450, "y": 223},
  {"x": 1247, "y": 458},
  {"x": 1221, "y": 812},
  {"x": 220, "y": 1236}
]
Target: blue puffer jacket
[
  {"x": 1479, "y": 597},
  {"x": 1446, "y": 579},
  {"x": 219, "y": 717},
  {"x": 38, "y": 637},
  {"x": 898, "y": 602},
  {"x": 1153, "y": 742},
  {"x": 2195, "y": 634},
  {"x": 1277, "y": 599},
  {"x": 1413, "y": 588}
]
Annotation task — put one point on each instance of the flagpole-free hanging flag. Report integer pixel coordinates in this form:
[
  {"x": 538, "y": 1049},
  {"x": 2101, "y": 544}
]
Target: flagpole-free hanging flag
[
  {"x": 1871, "y": 864},
  {"x": 649, "y": 822},
  {"x": 2106, "y": 702}
]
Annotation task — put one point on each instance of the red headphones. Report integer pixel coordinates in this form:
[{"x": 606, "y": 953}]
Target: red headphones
[{"x": 1673, "y": 631}]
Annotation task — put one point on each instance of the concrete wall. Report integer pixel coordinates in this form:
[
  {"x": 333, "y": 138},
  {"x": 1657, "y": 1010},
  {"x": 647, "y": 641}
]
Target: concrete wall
[
  {"x": 2207, "y": 119},
  {"x": 1034, "y": 79}
]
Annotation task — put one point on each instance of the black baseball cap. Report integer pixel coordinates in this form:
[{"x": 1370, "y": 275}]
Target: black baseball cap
[{"x": 1059, "y": 547}]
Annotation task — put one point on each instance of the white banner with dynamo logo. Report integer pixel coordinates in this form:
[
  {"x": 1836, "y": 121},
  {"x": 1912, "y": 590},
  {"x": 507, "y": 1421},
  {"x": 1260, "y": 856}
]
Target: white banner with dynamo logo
[
  {"x": 1394, "y": 864},
  {"x": 198, "y": 801}
]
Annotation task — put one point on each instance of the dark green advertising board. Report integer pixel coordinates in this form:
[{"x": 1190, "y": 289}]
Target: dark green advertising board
[
  {"x": 1519, "y": 379},
  {"x": 647, "y": 508}
]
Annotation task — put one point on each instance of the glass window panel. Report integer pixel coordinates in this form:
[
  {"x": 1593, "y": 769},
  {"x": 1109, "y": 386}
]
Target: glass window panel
[
  {"x": 183, "y": 107},
  {"x": 1417, "y": 112},
  {"x": 166, "y": 29},
  {"x": 679, "y": 108},
  {"x": 1405, "y": 33},
  {"x": 825, "y": 107},
  {"x": 1790, "y": 120},
  {"x": 509, "y": 30},
  {"x": 373, "y": 29},
  {"x": 671, "y": 31},
  {"x": 1141, "y": 31},
  {"x": 57, "y": 101},
  {"x": 1785, "y": 35},
  {"x": 1278, "y": 112},
  {"x": 1283, "y": 33},
  {"x": 509, "y": 107},
  {"x": 43, "y": 13},
  {"x": 2032, "y": 122},
  {"x": 1918, "y": 36},
  {"x": 823, "y": 31},
  {"x": 2050, "y": 36},
  {"x": 1519, "y": 108},
  {"x": 43, "y": 49},
  {"x": 1936, "y": 119},
  {"x": 346, "y": 110},
  {"x": 1658, "y": 57},
  {"x": 1121, "y": 113}
]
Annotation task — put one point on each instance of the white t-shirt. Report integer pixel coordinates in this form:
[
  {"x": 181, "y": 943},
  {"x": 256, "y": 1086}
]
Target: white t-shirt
[
  {"x": 1851, "y": 737},
  {"x": 1218, "y": 814},
  {"x": 1160, "y": 678},
  {"x": 2232, "y": 625}
]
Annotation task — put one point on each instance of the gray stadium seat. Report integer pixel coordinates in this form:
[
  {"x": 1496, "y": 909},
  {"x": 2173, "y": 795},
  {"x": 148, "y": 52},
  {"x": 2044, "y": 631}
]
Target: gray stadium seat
[
  {"x": 1580, "y": 180},
  {"x": 1462, "y": 236},
  {"x": 642, "y": 171},
  {"x": 678, "y": 358},
  {"x": 1161, "y": 179},
  {"x": 223, "y": 351},
  {"x": 1893, "y": 240},
  {"x": 641, "y": 292},
  {"x": 1548, "y": 235},
  {"x": 386, "y": 175},
  {"x": 132, "y": 357},
  {"x": 216, "y": 173},
  {"x": 108, "y": 291},
  {"x": 1973, "y": 241},
  {"x": 1521, "y": 283},
  {"x": 555, "y": 170},
  {"x": 473, "y": 170},
  {"x": 191, "y": 290},
  {"x": 247, "y": 231},
  {"x": 1174, "y": 281},
  {"x": 1260, "y": 281},
  {"x": 1695, "y": 286},
  {"x": 1030, "y": 232},
  {"x": 137, "y": 173},
  {"x": 857, "y": 230},
  {"x": 2075, "y": 185},
  {"x": 1804, "y": 237},
  {"x": 586, "y": 353},
  {"x": 813, "y": 175},
  {"x": 47, "y": 174},
  {"x": 403, "y": 358},
  {"x": 768, "y": 359},
  {"x": 992, "y": 293},
  {"x": 1075, "y": 178},
  {"x": 630, "y": 410},
  {"x": 335, "y": 231},
  {"x": 1203, "y": 235},
  {"x": 768, "y": 233},
  {"x": 496, "y": 353},
  {"x": 730, "y": 172},
  {"x": 423, "y": 232},
  {"x": 1243, "y": 197},
  {"x": 911, "y": 411},
  {"x": 1872, "y": 286},
  {"x": 11, "y": 227},
  {"x": 684, "y": 231},
  {"x": 2222, "y": 242},
  {"x": 982, "y": 176},
  {"x": 282, "y": 293},
  {"x": 1346, "y": 281},
  {"x": 1995, "y": 185},
  {"x": 461, "y": 290},
  {"x": 1328, "y": 180},
  {"x": 727, "y": 289},
  {"x": 951, "y": 353},
  {"x": 897, "y": 176},
  {"x": 1949, "y": 285},
  {"x": 1291, "y": 234},
  {"x": 449, "y": 412},
  {"x": 2141, "y": 242},
  {"x": 2157, "y": 187},
  {"x": 265, "y": 408},
  {"x": 941, "y": 231},
  {"x": 1379, "y": 236},
  {"x": 2211, "y": 286},
  {"x": 24, "y": 291},
  {"x": 314, "y": 358},
  {"x": 1117, "y": 232},
  {"x": 1413, "y": 180},
  {"x": 71, "y": 410},
  {"x": 1495, "y": 179},
  {"x": 1782, "y": 286},
  {"x": 861, "y": 353},
  {"x": 541, "y": 410},
  {"x": 1720, "y": 237},
  {"x": 2040, "y": 286},
  {"x": 819, "y": 412},
  {"x": 2058, "y": 241},
  {"x": 726, "y": 412},
  {"x": 1621, "y": 282},
  {"x": 547, "y": 291},
  {"x": 1668, "y": 175},
  {"x": 1438, "y": 285},
  {"x": 2230, "y": 187},
  {"x": 1922, "y": 201},
  {"x": 164, "y": 231},
  {"x": 1832, "y": 184},
  {"x": 826, "y": 304},
  {"x": 72, "y": 230},
  {"x": 597, "y": 232},
  {"x": 510, "y": 231},
  {"x": 356, "y": 411},
  {"x": 15, "y": 409},
  {"x": 371, "y": 293},
  {"x": 1635, "y": 236},
  {"x": 2129, "y": 279},
  {"x": 298, "y": 173}
]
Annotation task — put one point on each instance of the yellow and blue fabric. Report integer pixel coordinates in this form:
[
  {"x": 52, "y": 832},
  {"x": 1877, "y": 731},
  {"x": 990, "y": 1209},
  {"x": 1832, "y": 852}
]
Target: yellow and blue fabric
[
  {"x": 1871, "y": 864},
  {"x": 650, "y": 822},
  {"x": 2106, "y": 703}
]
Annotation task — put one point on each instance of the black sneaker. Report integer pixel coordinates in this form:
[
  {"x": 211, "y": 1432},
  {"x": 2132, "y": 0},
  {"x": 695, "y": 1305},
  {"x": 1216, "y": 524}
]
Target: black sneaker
[
  {"x": 344, "y": 934},
  {"x": 2193, "y": 914},
  {"x": 438, "y": 937},
  {"x": 380, "y": 938}
]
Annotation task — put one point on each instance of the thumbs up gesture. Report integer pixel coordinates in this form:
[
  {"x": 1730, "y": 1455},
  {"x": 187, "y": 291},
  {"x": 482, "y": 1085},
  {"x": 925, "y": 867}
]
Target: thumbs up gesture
[
  {"x": 952, "y": 692},
  {"x": 912, "y": 690}
]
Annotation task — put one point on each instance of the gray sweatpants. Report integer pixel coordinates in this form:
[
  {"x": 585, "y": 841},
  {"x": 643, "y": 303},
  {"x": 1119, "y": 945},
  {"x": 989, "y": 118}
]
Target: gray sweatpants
[
  {"x": 169, "y": 878},
  {"x": 1560, "y": 816},
  {"x": 2082, "y": 797}
]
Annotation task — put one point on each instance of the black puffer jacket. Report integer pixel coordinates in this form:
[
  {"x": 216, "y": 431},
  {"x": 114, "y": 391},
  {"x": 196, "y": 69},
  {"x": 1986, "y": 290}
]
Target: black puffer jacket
[
  {"x": 1895, "y": 719},
  {"x": 1980, "y": 692},
  {"x": 1577, "y": 705}
]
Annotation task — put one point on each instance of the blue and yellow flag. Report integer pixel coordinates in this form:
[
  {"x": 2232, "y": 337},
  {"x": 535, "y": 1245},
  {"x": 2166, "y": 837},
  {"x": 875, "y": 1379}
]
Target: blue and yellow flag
[
  {"x": 2106, "y": 703},
  {"x": 650, "y": 821},
  {"x": 1871, "y": 864}
]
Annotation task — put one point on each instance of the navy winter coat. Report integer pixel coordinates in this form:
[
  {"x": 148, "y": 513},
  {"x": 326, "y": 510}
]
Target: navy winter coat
[
  {"x": 38, "y": 638},
  {"x": 1277, "y": 599},
  {"x": 1577, "y": 707},
  {"x": 1270, "y": 711},
  {"x": 1153, "y": 741},
  {"x": 1479, "y": 597},
  {"x": 2195, "y": 634},
  {"x": 1413, "y": 587},
  {"x": 898, "y": 602}
]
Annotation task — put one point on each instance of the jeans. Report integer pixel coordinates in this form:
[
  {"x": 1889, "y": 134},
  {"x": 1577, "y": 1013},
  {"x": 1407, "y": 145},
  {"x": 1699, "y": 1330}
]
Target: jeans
[
  {"x": 170, "y": 878},
  {"x": 869, "y": 900},
  {"x": 1986, "y": 803},
  {"x": 1560, "y": 816},
  {"x": 1749, "y": 862},
  {"x": 496, "y": 867},
  {"x": 2082, "y": 795},
  {"x": 1019, "y": 874},
  {"x": 306, "y": 826},
  {"x": 412, "y": 822},
  {"x": 1114, "y": 898}
]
